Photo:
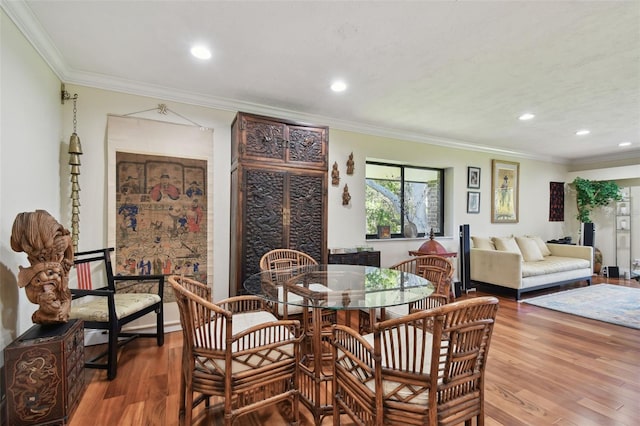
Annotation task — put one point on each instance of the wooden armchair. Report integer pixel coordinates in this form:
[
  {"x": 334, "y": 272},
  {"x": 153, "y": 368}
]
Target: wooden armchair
[
  {"x": 114, "y": 305},
  {"x": 283, "y": 259},
  {"x": 238, "y": 350},
  {"x": 283, "y": 263},
  {"x": 437, "y": 269},
  {"x": 426, "y": 368}
]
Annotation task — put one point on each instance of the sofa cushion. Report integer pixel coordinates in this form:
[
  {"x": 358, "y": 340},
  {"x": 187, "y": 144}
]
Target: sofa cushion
[
  {"x": 483, "y": 243},
  {"x": 506, "y": 244},
  {"x": 541, "y": 245},
  {"x": 553, "y": 264},
  {"x": 529, "y": 249}
]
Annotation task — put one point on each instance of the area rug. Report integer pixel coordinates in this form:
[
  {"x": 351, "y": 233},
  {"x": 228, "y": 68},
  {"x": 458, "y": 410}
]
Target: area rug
[{"x": 604, "y": 302}]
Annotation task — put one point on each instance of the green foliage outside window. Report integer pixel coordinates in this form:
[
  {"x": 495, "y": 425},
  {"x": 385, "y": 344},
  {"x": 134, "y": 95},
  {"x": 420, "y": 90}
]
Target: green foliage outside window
[{"x": 398, "y": 196}]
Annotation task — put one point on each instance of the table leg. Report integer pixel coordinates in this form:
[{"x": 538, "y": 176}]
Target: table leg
[{"x": 315, "y": 382}]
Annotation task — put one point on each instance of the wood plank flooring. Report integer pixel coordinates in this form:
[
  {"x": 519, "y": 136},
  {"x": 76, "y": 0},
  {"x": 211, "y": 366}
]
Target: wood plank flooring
[{"x": 545, "y": 368}]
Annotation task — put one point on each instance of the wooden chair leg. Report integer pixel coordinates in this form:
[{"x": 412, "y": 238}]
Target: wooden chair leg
[
  {"x": 295, "y": 402},
  {"x": 183, "y": 394},
  {"x": 188, "y": 402},
  {"x": 112, "y": 355},
  {"x": 160, "y": 327}
]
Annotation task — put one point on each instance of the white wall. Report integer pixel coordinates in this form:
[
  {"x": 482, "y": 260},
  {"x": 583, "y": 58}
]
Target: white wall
[
  {"x": 93, "y": 107},
  {"x": 604, "y": 217},
  {"x": 347, "y": 224},
  {"x": 30, "y": 134}
]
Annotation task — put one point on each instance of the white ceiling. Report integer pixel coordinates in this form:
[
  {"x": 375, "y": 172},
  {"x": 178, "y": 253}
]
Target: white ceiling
[{"x": 448, "y": 72}]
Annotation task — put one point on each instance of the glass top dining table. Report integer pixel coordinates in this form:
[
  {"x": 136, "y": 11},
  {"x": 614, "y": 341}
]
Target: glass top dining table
[
  {"x": 339, "y": 287},
  {"x": 318, "y": 288}
]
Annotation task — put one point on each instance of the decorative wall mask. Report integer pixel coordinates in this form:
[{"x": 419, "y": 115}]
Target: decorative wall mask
[{"x": 49, "y": 249}]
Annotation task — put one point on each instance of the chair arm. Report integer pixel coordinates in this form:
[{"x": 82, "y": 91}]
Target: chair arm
[
  {"x": 142, "y": 279},
  {"x": 104, "y": 292},
  {"x": 353, "y": 349},
  {"x": 267, "y": 335},
  {"x": 432, "y": 301},
  {"x": 354, "y": 363},
  {"x": 496, "y": 267},
  {"x": 246, "y": 303},
  {"x": 567, "y": 250}
]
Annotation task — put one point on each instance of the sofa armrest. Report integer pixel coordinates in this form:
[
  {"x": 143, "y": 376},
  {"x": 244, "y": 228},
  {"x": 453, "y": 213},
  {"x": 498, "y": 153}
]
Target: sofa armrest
[
  {"x": 567, "y": 250},
  {"x": 496, "y": 267}
]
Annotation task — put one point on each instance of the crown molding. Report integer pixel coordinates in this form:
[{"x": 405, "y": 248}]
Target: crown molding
[
  {"x": 171, "y": 94},
  {"x": 30, "y": 27}
]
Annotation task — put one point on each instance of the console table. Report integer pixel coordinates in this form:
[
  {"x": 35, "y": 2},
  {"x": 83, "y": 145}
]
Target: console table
[{"x": 367, "y": 258}]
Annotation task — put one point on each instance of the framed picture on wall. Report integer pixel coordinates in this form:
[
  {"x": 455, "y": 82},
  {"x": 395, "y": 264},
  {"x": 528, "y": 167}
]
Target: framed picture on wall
[
  {"x": 505, "y": 177},
  {"x": 473, "y": 202},
  {"x": 473, "y": 177}
]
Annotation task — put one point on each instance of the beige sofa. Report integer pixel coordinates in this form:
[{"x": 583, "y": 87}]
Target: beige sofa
[{"x": 528, "y": 263}]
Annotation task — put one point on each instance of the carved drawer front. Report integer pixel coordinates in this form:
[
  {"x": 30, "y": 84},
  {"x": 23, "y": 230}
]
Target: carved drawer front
[{"x": 45, "y": 374}]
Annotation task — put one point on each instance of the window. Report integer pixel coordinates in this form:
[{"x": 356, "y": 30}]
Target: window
[{"x": 404, "y": 197}]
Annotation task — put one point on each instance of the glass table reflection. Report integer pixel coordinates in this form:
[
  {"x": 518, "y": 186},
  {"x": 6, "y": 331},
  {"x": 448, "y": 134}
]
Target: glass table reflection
[{"x": 318, "y": 288}]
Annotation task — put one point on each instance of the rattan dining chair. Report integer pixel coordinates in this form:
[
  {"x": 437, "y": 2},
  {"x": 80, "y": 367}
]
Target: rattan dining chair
[
  {"x": 235, "y": 349},
  {"x": 283, "y": 264},
  {"x": 437, "y": 269},
  {"x": 426, "y": 368}
]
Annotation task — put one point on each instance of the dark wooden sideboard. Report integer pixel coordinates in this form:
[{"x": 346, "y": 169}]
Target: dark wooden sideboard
[
  {"x": 44, "y": 374},
  {"x": 368, "y": 258}
]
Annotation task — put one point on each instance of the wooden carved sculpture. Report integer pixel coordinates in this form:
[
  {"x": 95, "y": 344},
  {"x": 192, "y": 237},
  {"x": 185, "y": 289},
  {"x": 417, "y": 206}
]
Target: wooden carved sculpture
[
  {"x": 350, "y": 164},
  {"x": 346, "y": 197},
  {"x": 335, "y": 175},
  {"x": 49, "y": 249}
]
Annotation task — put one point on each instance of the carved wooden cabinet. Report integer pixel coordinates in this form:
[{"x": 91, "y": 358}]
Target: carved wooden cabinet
[
  {"x": 278, "y": 191},
  {"x": 44, "y": 373}
]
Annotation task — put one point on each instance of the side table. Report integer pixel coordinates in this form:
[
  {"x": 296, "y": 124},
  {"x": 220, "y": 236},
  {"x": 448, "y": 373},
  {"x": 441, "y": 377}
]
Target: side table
[{"x": 44, "y": 374}]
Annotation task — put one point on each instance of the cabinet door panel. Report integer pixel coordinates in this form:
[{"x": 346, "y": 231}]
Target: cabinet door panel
[
  {"x": 307, "y": 145},
  {"x": 264, "y": 229},
  {"x": 263, "y": 139},
  {"x": 307, "y": 213}
]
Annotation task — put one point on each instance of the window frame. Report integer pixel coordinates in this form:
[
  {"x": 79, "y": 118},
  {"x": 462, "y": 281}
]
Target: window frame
[{"x": 402, "y": 167}]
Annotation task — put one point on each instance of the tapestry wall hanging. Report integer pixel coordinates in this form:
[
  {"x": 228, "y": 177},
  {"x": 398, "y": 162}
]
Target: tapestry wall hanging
[
  {"x": 159, "y": 211},
  {"x": 556, "y": 201}
]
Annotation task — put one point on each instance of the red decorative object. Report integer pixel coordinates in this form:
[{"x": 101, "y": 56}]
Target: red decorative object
[{"x": 432, "y": 247}]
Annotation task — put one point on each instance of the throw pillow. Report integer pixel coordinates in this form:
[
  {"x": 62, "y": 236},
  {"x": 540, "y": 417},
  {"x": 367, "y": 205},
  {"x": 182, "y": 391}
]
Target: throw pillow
[
  {"x": 541, "y": 245},
  {"x": 529, "y": 249},
  {"x": 506, "y": 244},
  {"x": 483, "y": 243}
]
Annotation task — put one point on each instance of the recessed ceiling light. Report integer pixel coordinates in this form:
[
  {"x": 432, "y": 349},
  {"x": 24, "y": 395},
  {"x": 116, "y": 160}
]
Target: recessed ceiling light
[
  {"x": 526, "y": 116},
  {"x": 201, "y": 52},
  {"x": 583, "y": 132},
  {"x": 622, "y": 144},
  {"x": 339, "y": 86}
]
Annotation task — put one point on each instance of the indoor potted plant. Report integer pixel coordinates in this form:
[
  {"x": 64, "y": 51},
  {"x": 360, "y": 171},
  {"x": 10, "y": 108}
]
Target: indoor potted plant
[
  {"x": 594, "y": 193},
  {"x": 589, "y": 195}
]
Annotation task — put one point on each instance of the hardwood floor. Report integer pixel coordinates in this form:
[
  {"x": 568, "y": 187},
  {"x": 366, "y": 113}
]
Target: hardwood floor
[{"x": 545, "y": 368}]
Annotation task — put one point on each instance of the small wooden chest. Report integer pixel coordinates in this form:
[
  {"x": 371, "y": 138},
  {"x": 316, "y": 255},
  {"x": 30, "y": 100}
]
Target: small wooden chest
[{"x": 45, "y": 374}]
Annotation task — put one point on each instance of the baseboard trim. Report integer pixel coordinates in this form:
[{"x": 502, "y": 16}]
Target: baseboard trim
[{"x": 99, "y": 337}]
